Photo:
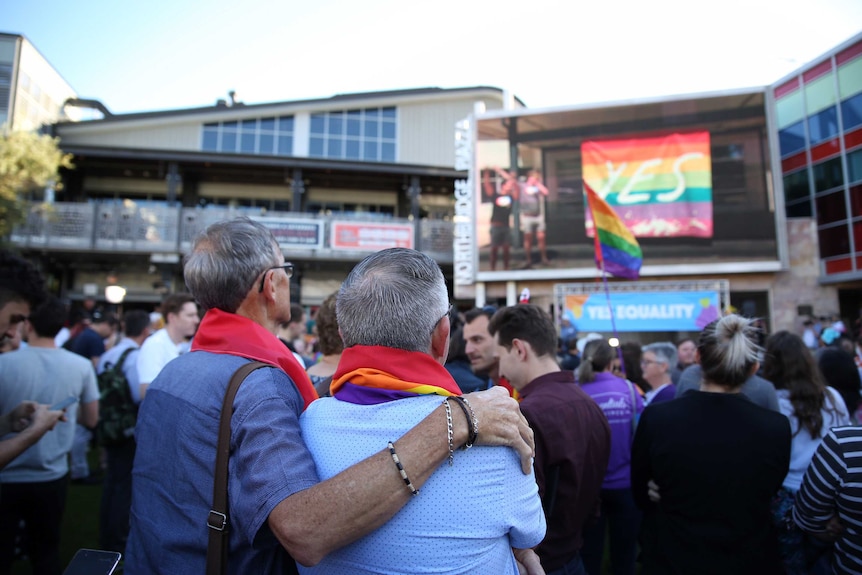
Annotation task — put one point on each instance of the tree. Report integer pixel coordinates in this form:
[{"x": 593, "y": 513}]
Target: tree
[{"x": 28, "y": 162}]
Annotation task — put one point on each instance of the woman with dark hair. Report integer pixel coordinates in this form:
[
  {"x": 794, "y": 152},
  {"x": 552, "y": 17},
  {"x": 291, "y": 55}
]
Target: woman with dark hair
[
  {"x": 621, "y": 404},
  {"x": 718, "y": 459},
  {"x": 330, "y": 344},
  {"x": 813, "y": 409},
  {"x": 840, "y": 372}
]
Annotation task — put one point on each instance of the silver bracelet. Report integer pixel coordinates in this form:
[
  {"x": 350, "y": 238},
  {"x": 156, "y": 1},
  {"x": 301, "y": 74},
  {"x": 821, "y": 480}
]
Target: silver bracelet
[{"x": 450, "y": 431}]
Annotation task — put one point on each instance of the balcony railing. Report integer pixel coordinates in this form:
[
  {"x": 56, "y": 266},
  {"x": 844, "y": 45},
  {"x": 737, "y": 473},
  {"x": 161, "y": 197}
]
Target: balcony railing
[{"x": 153, "y": 228}]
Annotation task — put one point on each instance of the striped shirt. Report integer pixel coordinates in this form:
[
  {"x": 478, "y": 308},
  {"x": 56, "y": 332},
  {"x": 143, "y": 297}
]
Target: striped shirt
[{"x": 833, "y": 484}]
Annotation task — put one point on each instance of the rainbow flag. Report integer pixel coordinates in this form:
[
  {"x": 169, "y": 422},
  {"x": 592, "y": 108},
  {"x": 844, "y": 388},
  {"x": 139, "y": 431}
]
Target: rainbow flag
[
  {"x": 661, "y": 186},
  {"x": 617, "y": 250}
]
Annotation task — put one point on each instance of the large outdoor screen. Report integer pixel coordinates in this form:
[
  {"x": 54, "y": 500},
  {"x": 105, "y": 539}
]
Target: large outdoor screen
[{"x": 690, "y": 177}]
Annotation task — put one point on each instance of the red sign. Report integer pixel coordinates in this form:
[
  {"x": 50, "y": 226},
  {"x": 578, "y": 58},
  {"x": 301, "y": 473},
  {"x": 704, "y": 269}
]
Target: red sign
[{"x": 370, "y": 236}]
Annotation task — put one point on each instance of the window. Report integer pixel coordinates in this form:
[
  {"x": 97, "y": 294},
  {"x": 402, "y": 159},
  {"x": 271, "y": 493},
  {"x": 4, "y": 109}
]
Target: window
[
  {"x": 791, "y": 139},
  {"x": 368, "y": 134},
  {"x": 834, "y": 241},
  {"x": 851, "y": 112},
  {"x": 823, "y": 125},
  {"x": 827, "y": 175},
  {"x": 265, "y": 136},
  {"x": 831, "y": 208},
  {"x": 797, "y": 201},
  {"x": 854, "y": 165}
]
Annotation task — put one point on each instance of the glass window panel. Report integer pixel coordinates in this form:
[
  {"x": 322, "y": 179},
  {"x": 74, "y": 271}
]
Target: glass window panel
[
  {"x": 789, "y": 109},
  {"x": 285, "y": 146},
  {"x": 857, "y": 236},
  {"x": 354, "y": 127},
  {"x": 827, "y": 175},
  {"x": 318, "y": 124},
  {"x": 315, "y": 147},
  {"x": 372, "y": 112},
  {"x": 387, "y": 152},
  {"x": 210, "y": 143},
  {"x": 798, "y": 210},
  {"x": 285, "y": 124},
  {"x": 850, "y": 77},
  {"x": 249, "y": 125},
  {"x": 267, "y": 124},
  {"x": 823, "y": 125},
  {"x": 854, "y": 165},
  {"x": 820, "y": 94},
  {"x": 372, "y": 128},
  {"x": 246, "y": 143},
  {"x": 388, "y": 130},
  {"x": 228, "y": 141},
  {"x": 369, "y": 151},
  {"x": 336, "y": 125},
  {"x": 791, "y": 139},
  {"x": 796, "y": 186},
  {"x": 211, "y": 125},
  {"x": 851, "y": 112},
  {"x": 831, "y": 208},
  {"x": 267, "y": 144},
  {"x": 834, "y": 241},
  {"x": 229, "y": 125},
  {"x": 388, "y": 112},
  {"x": 352, "y": 150},
  {"x": 334, "y": 148}
]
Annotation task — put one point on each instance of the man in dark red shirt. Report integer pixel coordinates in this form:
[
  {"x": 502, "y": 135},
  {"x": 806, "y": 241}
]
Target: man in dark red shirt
[{"x": 572, "y": 435}]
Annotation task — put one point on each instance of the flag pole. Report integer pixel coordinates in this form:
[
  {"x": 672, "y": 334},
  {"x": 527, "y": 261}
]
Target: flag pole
[{"x": 613, "y": 320}]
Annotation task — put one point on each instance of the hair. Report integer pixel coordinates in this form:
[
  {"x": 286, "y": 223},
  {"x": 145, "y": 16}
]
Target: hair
[
  {"x": 789, "y": 365},
  {"x": 632, "y": 354},
  {"x": 174, "y": 303},
  {"x": 664, "y": 352},
  {"x": 135, "y": 321},
  {"x": 328, "y": 337},
  {"x": 679, "y": 342},
  {"x": 487, "y": 311},
  {"x": 527, "y": 322},
  {"x": 840, "y": 371},
  {"x": 48, "y": 317},
  {"x": 20, "y": 281},
  {"x": 226, "y": 260},
  {"x": 107, "y": 317},
  {"x": 296, "y": 312},
  {"x": 392, "y": 298},
  {"x": 727, "y": 350},
  {"x": 598, "y": 355}
]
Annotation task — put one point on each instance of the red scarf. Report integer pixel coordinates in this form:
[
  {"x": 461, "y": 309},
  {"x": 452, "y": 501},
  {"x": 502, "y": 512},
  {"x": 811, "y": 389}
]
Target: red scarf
[{"x": 231, "y": 334}]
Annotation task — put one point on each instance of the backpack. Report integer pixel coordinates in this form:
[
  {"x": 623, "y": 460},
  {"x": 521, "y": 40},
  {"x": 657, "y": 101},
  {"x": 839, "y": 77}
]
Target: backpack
[{"x": 118, "y": 413}]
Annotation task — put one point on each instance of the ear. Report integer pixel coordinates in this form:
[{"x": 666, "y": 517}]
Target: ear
[
  {"x": 754, "y": 368},
  {"x": 440, "y": 342},
  {"x": 523, "y": 348}
]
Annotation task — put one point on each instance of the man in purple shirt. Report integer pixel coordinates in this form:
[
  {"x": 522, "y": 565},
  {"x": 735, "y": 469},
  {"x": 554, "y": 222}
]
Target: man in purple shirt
[{"x": 571, "y": 432}]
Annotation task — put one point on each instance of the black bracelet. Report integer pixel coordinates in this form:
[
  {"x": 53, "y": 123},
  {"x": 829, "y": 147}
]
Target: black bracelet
[
  {"x": 472, "y": 423},
  {"x": 407, "y": 482}
]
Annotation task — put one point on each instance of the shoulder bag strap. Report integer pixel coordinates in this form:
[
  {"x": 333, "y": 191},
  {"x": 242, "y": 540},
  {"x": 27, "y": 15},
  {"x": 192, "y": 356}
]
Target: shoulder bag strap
[{"x": 217, "y": 521}]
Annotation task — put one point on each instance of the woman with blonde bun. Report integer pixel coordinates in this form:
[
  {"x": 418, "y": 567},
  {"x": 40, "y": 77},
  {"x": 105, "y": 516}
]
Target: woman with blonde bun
[{"x": 718, "y": 459}]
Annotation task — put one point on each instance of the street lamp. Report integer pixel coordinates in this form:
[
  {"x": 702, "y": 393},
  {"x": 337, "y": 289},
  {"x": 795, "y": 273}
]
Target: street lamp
[{"x": 115, "y": 294}]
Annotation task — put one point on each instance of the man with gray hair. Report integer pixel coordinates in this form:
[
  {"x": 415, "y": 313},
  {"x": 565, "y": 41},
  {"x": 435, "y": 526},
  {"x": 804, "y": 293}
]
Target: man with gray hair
[
  {"x": 393, "y": 313},
  {"x": 237, "y": 272},
  {"x": 657, "y": 363}
]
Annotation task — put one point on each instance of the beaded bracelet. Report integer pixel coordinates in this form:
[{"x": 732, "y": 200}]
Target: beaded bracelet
[
  {"x": 472, "y": 422},
  {"x": 450, "y": 431},
  {"x": 407, "y": 482}
]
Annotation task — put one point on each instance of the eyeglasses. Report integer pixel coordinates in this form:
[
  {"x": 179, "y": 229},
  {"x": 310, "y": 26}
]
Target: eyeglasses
[
  {"x": 448, "y": 314},
  {"x": 17, "y": 318},
  {"x": 649, "y": 361},
  {"x": 287, "y": 267}
]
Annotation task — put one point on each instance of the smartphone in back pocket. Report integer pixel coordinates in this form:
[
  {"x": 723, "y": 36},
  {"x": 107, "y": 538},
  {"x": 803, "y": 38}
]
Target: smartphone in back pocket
[{"x": 93, "y": 562}]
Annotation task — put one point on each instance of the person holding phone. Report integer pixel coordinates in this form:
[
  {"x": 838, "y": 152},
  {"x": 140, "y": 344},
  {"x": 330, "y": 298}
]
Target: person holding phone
[{"x": 35, "y": 482}]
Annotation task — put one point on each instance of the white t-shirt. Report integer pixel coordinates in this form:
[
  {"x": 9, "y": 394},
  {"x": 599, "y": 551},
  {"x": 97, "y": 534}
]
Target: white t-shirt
[{"x": 156, "y": 352}]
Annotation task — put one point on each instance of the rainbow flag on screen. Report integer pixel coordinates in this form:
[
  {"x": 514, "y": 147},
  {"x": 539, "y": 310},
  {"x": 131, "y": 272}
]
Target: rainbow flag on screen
[
  {"x": 617, "y": 250},
  {"x": 661, "y": 186}
]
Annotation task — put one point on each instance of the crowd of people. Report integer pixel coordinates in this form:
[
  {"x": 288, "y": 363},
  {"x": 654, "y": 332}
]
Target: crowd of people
[{"x": 388, "y": 432}]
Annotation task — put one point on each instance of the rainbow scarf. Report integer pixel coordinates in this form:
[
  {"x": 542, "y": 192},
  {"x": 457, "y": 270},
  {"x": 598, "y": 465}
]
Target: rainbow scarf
[
  {"x": 407, "y": 374},
  {"x": 617, "y": 250},
  {"x": 231, "y": 334}
]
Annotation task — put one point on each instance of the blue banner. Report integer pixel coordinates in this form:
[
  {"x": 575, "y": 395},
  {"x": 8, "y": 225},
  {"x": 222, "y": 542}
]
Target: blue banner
[{"x": 654, "y": 311}]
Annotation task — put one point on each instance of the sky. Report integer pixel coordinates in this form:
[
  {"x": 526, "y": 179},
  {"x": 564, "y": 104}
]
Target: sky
[{"x": 171, "y": 54}]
